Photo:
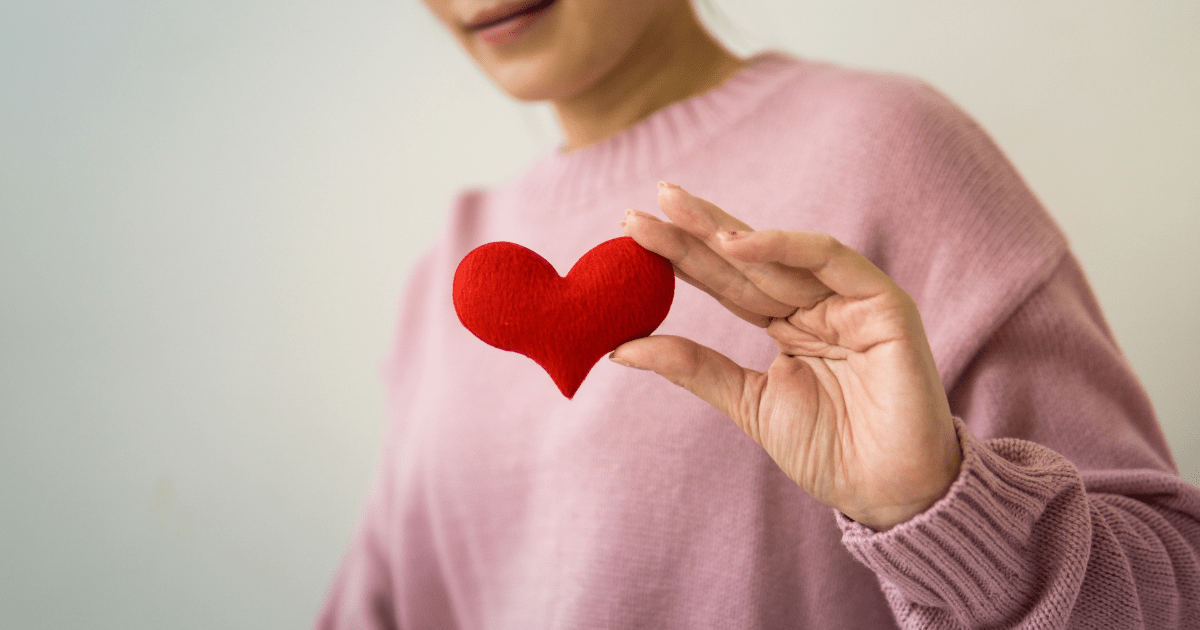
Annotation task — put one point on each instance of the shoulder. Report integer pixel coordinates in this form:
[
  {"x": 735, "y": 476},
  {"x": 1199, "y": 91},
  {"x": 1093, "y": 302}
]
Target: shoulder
[
  {"x": 425, "y": 307},
  {"x": 897, "y": 170},
  {"x": 895, "y": 155},
  {"x": 886, "y": 121},
  {"x": 427, "y": 285},
  {"x": 865, "y": 132},
  {"x": 837, "y": 95}
]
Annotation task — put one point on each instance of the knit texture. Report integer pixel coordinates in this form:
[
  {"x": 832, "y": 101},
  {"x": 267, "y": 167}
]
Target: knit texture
[
  {"x": 513, "y": 299},
  {"x": 502, "y": 504}
]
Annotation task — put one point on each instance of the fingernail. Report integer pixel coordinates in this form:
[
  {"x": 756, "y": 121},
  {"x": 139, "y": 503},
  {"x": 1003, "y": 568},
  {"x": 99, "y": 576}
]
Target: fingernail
[
  {"x": 618, "y": 360},
  {"x": 662, "y": 184},
  {"x": 622, "y": 224}
]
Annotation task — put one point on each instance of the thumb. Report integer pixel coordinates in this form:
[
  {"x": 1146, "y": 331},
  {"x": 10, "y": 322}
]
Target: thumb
[{"x": 699, "y": 369}]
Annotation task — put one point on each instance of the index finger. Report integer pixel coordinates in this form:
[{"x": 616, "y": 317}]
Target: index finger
[{"x": 707, "y": 223}]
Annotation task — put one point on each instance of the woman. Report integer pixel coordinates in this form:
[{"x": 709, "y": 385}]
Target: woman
[{"x": 936, "y": 371}]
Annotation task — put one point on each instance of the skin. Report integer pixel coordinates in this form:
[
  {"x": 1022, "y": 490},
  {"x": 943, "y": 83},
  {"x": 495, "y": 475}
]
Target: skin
[
  {"x": 604, "y": 64},
  {"x": 852, "y": 408}
]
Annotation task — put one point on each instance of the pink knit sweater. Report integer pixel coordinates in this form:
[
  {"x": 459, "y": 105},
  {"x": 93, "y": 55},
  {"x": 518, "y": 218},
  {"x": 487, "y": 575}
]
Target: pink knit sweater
[{"x": 501, "y": 504}]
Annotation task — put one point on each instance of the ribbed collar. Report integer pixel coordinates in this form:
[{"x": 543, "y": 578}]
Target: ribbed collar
[{"x": 653, "y": 143}]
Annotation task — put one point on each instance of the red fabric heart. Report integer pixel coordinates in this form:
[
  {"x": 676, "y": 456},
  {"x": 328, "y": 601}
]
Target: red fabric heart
[{"x": 513, "y": 299}]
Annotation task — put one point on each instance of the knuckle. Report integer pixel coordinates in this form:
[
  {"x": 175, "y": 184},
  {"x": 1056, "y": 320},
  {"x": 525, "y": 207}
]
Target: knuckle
[
  {"x": 899, "y": 300},
  {"x": 900, "y": 297}
]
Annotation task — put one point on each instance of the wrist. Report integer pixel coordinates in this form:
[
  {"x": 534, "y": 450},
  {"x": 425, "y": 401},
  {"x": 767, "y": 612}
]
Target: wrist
[{"x": 934, "y": 485}]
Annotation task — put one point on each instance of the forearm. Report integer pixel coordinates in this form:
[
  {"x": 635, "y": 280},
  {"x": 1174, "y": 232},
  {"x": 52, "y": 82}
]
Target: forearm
[{"x": 1021, "y": 542}]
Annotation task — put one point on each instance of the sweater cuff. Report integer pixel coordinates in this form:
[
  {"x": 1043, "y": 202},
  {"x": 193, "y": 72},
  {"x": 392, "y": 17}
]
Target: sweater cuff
[{"x": 968, "y": 553}]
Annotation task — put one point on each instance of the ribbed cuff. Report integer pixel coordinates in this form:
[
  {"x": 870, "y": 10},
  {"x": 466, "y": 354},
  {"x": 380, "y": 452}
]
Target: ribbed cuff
[{"x": 971, "y": 553}]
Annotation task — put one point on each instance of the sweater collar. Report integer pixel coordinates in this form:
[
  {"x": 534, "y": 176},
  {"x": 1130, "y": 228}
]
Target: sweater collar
[{"x": 653, "y": 143}]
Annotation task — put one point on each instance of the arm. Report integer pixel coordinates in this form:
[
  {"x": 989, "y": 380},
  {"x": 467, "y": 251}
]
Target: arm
[
  {"x": 361, "y": 594},
  {"x": 1095, "y": 529},
  {"x": 1017, "y": 535},
  {"x": 1020, "y": 541}
]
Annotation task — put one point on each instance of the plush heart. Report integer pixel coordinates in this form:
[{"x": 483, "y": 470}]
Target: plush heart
[{"x": 512, "y": 299}]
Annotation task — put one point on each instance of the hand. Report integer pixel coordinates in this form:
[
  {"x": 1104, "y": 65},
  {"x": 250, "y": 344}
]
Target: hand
[{"x": 852, "y": 409}]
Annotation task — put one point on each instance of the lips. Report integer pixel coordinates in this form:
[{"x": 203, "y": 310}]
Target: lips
[{"x": 504, "y": 23}]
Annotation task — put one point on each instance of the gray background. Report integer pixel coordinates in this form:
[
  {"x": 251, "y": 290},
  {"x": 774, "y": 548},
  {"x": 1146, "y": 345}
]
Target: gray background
[{"x": 207, "y": 211}]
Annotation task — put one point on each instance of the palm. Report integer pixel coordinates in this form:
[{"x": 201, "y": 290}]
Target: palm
[
  {"x": 852, "y": 408},
  {"x": 829, "y": 425}
]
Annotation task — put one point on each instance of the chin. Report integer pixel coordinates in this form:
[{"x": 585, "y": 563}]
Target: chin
[
  {"x": 541, "y": 78},
  {"x": 570, "y": 45}
]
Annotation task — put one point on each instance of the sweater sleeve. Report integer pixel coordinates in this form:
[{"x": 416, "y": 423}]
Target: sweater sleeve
[
  {"x": 360, "y": 596},
  {"x": 1067, "y": 512}
]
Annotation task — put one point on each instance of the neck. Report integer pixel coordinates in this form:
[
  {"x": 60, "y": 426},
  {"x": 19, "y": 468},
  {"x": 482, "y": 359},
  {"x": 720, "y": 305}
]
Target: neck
[{"x": 674, "y": 59}]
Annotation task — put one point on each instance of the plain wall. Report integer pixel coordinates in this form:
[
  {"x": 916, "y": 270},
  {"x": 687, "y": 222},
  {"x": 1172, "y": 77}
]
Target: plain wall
[{"x": 208, "y": 209}]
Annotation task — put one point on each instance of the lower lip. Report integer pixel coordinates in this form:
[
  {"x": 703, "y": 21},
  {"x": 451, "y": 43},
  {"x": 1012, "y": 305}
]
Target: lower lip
[{"x": 512, "y": 29}]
